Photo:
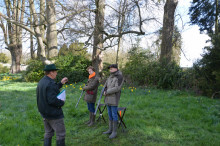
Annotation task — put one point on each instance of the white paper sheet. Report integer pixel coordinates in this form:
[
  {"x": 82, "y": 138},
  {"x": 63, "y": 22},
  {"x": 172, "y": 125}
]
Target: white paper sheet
[{"x": 62, "y": 95}]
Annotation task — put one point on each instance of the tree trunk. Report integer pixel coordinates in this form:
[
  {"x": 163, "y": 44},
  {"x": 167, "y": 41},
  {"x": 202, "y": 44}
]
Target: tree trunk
[
  {"x": 98, "y": 36},
  {"x": 41, "y": 49},
  {"x": 52, "y": 50},
  {"x": 16, "y": 12},
  {"x": 16, "y": 53},
  {"x": 167, "y": 32},
  {"x": 216, "y": 17},
  {"x": 42, "y": 17},
  {"x": 119, "y": 44},
  {"x": 31, "y": 38}
]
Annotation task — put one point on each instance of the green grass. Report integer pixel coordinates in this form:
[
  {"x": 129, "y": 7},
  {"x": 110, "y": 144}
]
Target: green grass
[{"x": 158, "y": 117}]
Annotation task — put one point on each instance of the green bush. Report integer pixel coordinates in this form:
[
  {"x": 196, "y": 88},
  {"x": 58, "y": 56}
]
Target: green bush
[
  {"x": 72, "y": 67},
  {"x": 143, "y": 69},
  {"x": 3, "y": 58},
  {"x": 154, "y": 74},
  {"x": 34, "y": 71},
  {"x": 4, "y": 69}
]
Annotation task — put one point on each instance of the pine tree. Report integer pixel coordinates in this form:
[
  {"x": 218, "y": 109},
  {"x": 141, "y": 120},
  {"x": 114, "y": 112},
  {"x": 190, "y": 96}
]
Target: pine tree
[{"x": 205, "y": 13}]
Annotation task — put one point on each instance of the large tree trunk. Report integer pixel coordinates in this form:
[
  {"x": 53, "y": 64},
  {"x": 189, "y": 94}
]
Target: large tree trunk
[
  {"x": 15, "y": 10},
  {"x": 167, "y": 32},
  {"x": 98, "y": 36},
  {"x": 51, "y": 29},
  {"x": 41, "y": 49}
]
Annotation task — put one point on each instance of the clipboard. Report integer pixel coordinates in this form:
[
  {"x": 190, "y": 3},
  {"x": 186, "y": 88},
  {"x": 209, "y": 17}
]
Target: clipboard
[{"x": 62, "y": 95}]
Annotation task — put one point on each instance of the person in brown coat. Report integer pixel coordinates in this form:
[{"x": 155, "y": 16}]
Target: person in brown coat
[
  {"x": 91, "y": 94},
  {"x": 112, "y": 97}
]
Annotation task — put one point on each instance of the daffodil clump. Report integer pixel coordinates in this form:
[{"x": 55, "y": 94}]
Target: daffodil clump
[
  {"x": 132, "y": 89},
  {"x": 8, "y": 78}
]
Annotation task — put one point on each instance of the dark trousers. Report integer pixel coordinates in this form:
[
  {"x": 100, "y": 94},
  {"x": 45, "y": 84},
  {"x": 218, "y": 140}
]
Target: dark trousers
[
  {"x": 52, "y": 126},
  {"x": 91, "y": 107}
]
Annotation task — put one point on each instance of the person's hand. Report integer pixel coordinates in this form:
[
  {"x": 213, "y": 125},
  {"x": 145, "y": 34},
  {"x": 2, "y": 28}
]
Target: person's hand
[
  {"x": 104, "y": 93},
  {"x": 64, "y": 80}
]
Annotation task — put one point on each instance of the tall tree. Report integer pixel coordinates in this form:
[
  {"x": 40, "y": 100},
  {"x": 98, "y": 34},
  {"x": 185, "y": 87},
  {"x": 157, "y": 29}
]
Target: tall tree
[
  {"x": 167, "y": 31},
  {"x": 13, "y": 34},
  {"x": 205, "y": 14},
  {"x": 98, "y": 36}
]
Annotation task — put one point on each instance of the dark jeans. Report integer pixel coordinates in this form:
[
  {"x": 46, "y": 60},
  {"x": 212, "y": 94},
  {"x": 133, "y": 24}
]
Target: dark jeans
[
  {"x": 91, "y": 107},
  {"x": 112, "y": 113},
  {"x": 54, "y": 125}
]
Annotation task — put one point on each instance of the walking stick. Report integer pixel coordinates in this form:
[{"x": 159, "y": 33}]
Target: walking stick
[
  {"x": 103, "y": 89},
  {"x": 79, "y": 98}
]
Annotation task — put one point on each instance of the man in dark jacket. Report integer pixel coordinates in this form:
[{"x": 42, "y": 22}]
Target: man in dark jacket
[
  {"x": 112, "y": 97},
  {"x": 49, "y": 106}
]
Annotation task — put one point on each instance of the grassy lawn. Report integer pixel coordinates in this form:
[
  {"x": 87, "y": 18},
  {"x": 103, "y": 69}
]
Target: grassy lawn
[{"x": 153, "y": 117}]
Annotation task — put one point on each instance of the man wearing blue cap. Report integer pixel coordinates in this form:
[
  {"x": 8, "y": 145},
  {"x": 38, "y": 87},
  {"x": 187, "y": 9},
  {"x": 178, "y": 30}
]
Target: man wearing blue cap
[{"x": 49, "y": 106}]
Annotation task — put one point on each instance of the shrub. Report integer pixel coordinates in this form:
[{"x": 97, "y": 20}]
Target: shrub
[
  {"x": 4, "y": 69},
  {"x": 3, "y": 58},
  {"x": 149, "y": 72},
  {"x": 34, "y": 71},
  {"x": 72, "y": 67}
]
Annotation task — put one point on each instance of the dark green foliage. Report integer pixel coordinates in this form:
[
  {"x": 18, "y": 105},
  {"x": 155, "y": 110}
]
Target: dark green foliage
[
  {"x": 34, "y": 71},
  {"x": 3, "y": 58},
  {"x": 63, "y": 50},
  {"x": 72, "y": 67},
  {"x": 207, "y": 69},
  {"x": 203, "y": 14},
  {"x": 76, "y": 49},
  {"x": 143, "y": 69}
]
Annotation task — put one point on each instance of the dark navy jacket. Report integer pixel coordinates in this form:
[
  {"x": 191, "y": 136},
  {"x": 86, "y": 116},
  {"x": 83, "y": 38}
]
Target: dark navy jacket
[{"x": 48, "y": 104}]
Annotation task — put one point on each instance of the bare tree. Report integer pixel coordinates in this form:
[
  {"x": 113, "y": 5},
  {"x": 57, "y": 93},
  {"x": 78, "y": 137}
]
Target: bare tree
[
  {"x": 105, "y": 30},
  {"x": 13, "y": 33},
  {"x": 98, "y": 35}
]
